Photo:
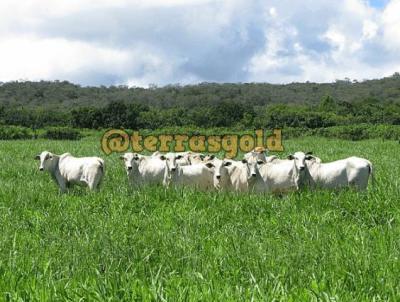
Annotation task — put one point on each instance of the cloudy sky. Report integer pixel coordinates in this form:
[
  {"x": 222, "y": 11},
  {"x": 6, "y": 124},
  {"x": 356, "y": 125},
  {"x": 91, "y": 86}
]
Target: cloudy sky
[{"x": 142, "y": 42}]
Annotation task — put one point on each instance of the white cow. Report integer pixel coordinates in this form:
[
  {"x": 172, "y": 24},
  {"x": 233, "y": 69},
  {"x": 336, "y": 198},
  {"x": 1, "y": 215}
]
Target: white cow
[
  {"x": 239, "y": 176},
  {"x": 68, "y": 170},
  {"x": 349, "y": 172},
  {"x": 142, "y": 169},
  {"x": 198, "y": 175},
  {"x": 279, "y": 175},
  {"x": 283, "y": 175}
]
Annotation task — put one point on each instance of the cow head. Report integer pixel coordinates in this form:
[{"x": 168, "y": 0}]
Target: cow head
[
  {"x": 259, "y": 153},
  {"x": 170, "y": 161},
  {"x": 209, "y": 157},
  {"x": 47, "y": 161},
  {"x": 251, "y": 165},
  {"x": 221, "y": 175},
  {"x": 311, "y": 159},
  {"x": 300, "y": 159},
  {"x": 131, "y": 161},
  {"x": 206, "y": 158}
]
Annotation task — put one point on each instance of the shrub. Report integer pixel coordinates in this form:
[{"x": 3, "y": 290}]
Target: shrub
[
  {"x": 348, "y": 132},
  {"x": 15, "y": 132},
  {"x": 61, "y": 133}
]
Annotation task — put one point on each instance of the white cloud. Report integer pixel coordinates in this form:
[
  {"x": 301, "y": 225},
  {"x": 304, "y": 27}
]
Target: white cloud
[
  {"x": 391, "y": 25},
  {"x": 370, "y": 29},
  {"x": 28, "y": 57},
  {"x": 349, "y": 37},
  {"x": 140, "y": 42}
]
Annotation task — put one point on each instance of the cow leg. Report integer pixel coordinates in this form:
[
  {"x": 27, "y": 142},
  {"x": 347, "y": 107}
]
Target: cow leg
[
  {"x": 63, "y": 185},
  {"x": 94, "y": 182}
]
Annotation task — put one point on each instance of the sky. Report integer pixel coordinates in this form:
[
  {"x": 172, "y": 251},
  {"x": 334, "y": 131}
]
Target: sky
[{"x": 159, "y": 42}]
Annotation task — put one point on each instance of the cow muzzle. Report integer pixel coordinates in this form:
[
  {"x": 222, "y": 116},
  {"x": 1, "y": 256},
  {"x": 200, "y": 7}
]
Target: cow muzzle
[
  {"x": 41, "y": 169},
  {"x": 129, "y": 168},
  {"x": 218, "y": 176}
]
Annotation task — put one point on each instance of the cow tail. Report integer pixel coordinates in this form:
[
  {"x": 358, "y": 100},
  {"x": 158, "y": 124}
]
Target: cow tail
[
  {"x": 371, "y": 173},
  {"x": 101, "y": 167}
]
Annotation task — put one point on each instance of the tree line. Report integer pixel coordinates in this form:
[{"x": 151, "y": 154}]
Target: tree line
[
  {"x": 207, "y": 105},
  {"x": 118, "y": 114}
]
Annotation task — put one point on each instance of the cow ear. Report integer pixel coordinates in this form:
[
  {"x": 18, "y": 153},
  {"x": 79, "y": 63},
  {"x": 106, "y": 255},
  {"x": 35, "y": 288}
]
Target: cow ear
[
  {"x": 210, "y": 165},
  {"x": 228, "y": 163},
  {"x": 212, "y": 157},
  {"x": 290, "y": 156},
  {"x": 202, "y": 156},
  {"x": 37, "y": 157},
  {"x": 179, "y": 157},
  {"x": 309, "y": 157},
  {"x": 260, "y": 162},
  {"x": 309, "y": 153},
  {"x": 162, "y": 157},
  {"x": 244, "y": 161}
]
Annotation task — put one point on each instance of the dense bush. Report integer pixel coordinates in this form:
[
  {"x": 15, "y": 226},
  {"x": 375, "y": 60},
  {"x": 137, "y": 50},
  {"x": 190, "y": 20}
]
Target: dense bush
[
  {"x": 207, "y": 105},
  {"x": 343, "y": 109},
  {"x": 348, "y": 132},
  {"x": 15, "y": 132},
  {"x": 61, "y": 133}
]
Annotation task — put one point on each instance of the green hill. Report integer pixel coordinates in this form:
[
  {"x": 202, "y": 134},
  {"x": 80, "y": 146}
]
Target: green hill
[{"x": 65, "y": 95}]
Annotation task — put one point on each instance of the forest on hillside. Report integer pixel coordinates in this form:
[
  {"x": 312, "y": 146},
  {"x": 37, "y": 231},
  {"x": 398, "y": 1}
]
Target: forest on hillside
[{"x": 206, "y": 105}]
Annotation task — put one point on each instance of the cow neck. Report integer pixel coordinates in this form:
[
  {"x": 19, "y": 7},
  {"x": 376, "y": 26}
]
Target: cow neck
[
  {"x": 296, "y": 174},
  {"x": 253, "y": 181},
  {"x": 167, "y": 173},
  {"x": 136, "y": 170},
  {"x": 312, "y": 166},
  {"x": 176, "y": 173},
  {"x": 55, "y": 173}
]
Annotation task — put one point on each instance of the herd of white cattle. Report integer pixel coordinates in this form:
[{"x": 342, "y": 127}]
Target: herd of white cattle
[{"x": 256, "y": 172}]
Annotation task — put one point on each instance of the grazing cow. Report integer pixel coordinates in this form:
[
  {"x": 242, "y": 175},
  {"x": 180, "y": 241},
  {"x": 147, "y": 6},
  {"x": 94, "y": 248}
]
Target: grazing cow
[
  {"x": 68, "y": 170},
  {"x": 349, "y": 172},
  {"x": 240, "y": 176},
  {"x": 142, "y": 169},
  {"x": 198, "y": 175}
]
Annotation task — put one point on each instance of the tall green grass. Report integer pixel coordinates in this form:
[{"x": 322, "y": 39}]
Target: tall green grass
[{"x": 157, "y": 244}]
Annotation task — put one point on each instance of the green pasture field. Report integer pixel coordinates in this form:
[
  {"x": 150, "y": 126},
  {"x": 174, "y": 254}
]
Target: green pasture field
[{"x": 169, "y": 245}]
